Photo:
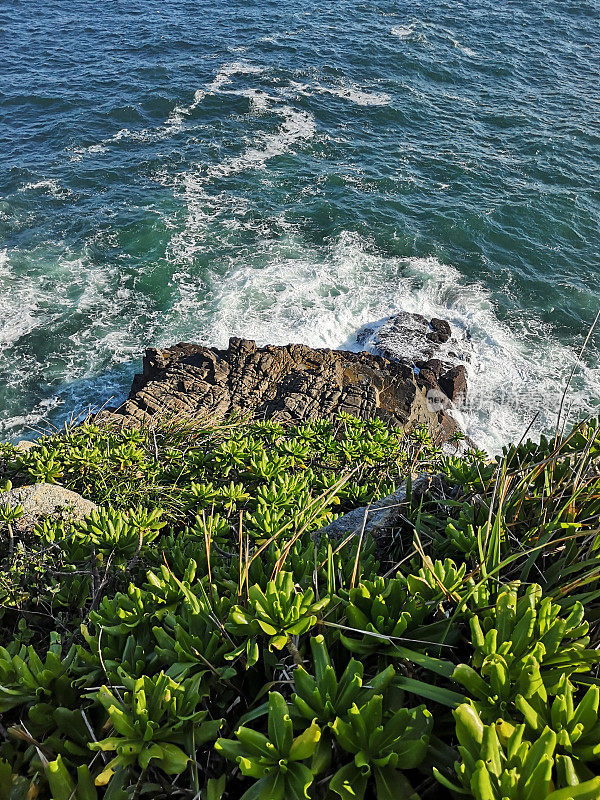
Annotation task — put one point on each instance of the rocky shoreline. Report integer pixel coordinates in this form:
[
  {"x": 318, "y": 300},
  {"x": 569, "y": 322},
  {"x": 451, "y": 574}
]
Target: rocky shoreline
[{"x": 293, "y": 383}]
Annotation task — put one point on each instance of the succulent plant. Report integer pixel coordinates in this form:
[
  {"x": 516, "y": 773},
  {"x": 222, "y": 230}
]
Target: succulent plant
[
  {"x": 523, "y": 646},
  {"x": 577, "y": 725},
  {"x": 323, "y": 697},
  {"x": 155, "y": 718},
  {"x": 440, "y": 580},
  {"x": 278, "y": 613},
  {"x": 26, "y": 679},
  {"x": 383, "y": 612},
  {"x": 498, "y": 763},
  {"x": 275, "y": 760},
  {"x": 382, "y": 749},
  {"x": 64, "y": 787},
  {"x": 201, "y": 567},
  {"x": 122, "y": 533}
]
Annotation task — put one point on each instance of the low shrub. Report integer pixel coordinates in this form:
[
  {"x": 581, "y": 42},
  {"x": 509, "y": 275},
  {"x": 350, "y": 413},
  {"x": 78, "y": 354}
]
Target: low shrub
[{"x": 192, "y": 639}]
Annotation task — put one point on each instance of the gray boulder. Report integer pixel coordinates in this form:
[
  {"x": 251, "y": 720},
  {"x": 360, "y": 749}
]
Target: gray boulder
[
  {"x": 380, "y": 519},
  {"x": 43, "y": 500}
]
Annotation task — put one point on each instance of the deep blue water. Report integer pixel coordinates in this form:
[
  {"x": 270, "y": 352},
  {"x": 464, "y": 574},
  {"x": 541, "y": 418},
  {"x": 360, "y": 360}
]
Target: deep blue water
[{"x": 291, "y": 172}]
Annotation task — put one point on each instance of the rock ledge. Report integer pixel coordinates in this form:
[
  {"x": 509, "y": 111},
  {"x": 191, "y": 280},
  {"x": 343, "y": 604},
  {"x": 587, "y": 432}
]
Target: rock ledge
[{"x": 291, "y": 384}]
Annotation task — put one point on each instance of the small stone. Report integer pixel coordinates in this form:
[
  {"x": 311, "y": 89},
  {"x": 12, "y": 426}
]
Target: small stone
[{"x": 24, "y": 445}]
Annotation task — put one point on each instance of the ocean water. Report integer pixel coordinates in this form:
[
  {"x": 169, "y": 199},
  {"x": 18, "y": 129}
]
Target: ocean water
[{"x": 293, "y": 172}]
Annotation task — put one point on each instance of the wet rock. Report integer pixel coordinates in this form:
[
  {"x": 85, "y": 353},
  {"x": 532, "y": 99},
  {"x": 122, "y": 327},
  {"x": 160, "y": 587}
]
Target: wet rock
[
  {"x": 414, "y": 338},
  {"x": 454, "y": 384},
  {"x": 404, "y": 336},
  {"x": 433, "y": 366},
  {"x": 364, "y": 334},
  {"x": 291, "y": 384},
  {"x": 441, "y": 331},
  {"x": 422, "y": 344},
  {"x": 44, "y": 500}
]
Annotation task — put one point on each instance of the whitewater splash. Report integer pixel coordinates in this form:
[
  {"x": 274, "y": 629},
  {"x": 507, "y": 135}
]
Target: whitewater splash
[
  {"x": 283, "y": 291},
  {"x": 288, "y": 292},
  {"x": 47, "y": 186},
  {"x": 18, "y": 305}
]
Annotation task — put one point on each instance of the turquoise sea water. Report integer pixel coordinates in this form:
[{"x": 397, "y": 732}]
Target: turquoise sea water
[{"x": 292, "y": 172}]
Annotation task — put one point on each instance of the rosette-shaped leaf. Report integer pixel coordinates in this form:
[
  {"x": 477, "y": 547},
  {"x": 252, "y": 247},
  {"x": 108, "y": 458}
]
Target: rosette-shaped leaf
[
  {"x": 385, "y": 608},
  {"x": 151, "y": 724},
  {"x": 26, "y": 679},
  {"x": 522, "y": 646},
  {"x": 381, "y": 749},
  {"x": 498, "y": 763},
  {"x": 274, "y": 760},
  {"x": 323, "y": 696},
  {"x": 577, "y": 725},
  {"x": 278, "y": 613}
]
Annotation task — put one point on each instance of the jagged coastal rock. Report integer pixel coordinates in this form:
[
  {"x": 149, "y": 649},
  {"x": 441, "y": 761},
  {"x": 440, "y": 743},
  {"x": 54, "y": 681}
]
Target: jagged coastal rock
[
  {"x": 428, "y": 346},
  {"x": 290, "y": 383}
]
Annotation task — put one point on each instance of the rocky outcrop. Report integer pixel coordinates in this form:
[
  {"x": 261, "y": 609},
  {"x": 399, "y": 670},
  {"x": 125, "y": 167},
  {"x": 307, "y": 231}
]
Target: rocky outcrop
[
  {"x": 44, "y": 500},
  {"x": 429, "y": 347},
  {"x": 291, "y": 383}
]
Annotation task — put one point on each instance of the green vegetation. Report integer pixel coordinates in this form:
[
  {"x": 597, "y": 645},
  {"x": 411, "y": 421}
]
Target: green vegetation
[{"x": 191, "y": 638}]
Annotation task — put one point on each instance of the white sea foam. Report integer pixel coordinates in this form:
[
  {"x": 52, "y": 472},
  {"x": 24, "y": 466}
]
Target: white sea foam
[
  {"x": 296, "y": 124},
  {"x": 140, "y": 136},
  {"x": 48, "y": 186},
  {"x": 295, "y": 127},
  {"x": 403, "y": 31},
  {"x": 224, "y": 76},
  {"x": 260, "y": 101},
  {"x": 176, "y": 119},
  {"x": 286, "y": 292},
  {"x": 356, "y": 95},
  {"x": 18, "y": 304},
  {"x": 112, "y": 322},
  {"x": 463, "y": 48},
  {"x": 228, "y": 71},
  {"x": 78, "y": 153},
  {"x": 347, "y": 91},
  {"x": 281, "y": 289}
]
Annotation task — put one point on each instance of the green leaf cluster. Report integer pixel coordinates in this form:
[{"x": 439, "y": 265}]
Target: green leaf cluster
[{"x": 193, "y": 638}]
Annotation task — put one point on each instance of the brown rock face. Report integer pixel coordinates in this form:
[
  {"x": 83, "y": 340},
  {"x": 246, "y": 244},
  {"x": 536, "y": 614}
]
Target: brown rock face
[
  {"x": 454, "y": 383},
  {"x": 291, "y": 383}
]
